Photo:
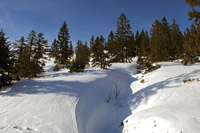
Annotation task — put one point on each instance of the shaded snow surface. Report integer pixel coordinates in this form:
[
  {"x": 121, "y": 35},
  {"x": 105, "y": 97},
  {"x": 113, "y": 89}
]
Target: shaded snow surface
[{"x": 61, "y": 102}]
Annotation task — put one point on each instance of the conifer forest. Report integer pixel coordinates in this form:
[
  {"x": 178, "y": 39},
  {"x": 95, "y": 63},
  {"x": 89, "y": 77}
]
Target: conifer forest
[{"x": 25, "y": 57}]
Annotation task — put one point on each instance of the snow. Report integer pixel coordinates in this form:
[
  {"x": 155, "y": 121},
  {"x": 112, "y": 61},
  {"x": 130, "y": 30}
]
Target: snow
[{"x": 60, "y": 102}]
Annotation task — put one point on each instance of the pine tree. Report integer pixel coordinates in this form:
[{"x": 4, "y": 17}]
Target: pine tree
[
  {"x": 82, "y": 57},
  {"x": 161, "y": 41},
  {"x": 55, "y": 51},
  {"x": 144, "y": 44},
  {"x": 100, "y": 55},
  {"x": 191, "y": 45},
  {"x": 137, "y": 42},
  {"x": 63, "y": 44},
  {"x": 194, "y": 14},
  {"x": 177, "y": 41},
  {"x": 110, "y": 46},
  {"x": 122, "y": 36},
  {"x": 92, "y": 42},
  {"x": 39, "y": 54},
  {"x": 155, "y": 43},
  {"x": 132, "y": 43},
  {"x": 30, "y": 55},
  {"x": 6, "y": 60},
  {"x": 19, "y": 48},
  {"x": 143, "y": 62}
]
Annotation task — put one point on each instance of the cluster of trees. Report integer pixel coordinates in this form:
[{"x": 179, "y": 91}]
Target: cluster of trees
[
  {"x": 164, "y": 42},
  {"x": 22, "y": 58}
]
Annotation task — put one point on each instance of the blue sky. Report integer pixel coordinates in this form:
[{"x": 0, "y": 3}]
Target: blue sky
[{"x": 85, "y": 17}]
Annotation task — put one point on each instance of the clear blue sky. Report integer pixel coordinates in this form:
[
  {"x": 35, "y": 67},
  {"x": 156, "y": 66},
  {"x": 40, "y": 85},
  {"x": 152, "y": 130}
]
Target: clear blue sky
[{"x": 85, "y": 17}]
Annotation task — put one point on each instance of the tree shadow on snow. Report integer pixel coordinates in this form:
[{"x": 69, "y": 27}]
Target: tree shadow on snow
[
  {"x": 144, "y": 94},
  {"x": 30, "y": 86}
]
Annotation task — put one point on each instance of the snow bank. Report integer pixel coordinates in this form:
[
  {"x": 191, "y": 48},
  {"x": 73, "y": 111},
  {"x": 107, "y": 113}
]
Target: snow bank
[{"x": 164, "y": 103}]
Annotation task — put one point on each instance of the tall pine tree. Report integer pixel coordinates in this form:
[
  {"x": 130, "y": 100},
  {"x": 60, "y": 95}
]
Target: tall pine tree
[
  {"x": 6, "y": 60},
  {"x": 82, "y": 57},
  {"x": 100, "y": 55},
  {"x": 122, "y": 36},
  {"x": 65, "y": 52}
]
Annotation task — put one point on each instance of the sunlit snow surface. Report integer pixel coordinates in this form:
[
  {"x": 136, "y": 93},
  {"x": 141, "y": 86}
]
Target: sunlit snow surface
[{"x": 63, "y": 102}]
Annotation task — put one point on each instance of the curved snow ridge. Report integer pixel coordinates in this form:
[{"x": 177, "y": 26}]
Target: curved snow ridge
[{"x": 93, "y": 113}]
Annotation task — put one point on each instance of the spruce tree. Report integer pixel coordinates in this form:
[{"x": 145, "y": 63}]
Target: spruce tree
[
  {"x": 30, "y": 55},
  {"x": 64, "y": 48},
  {"x": 177, "y": 41},
  {"x": 19, "y": 48},
  {"x": 143, "y": 61},
  {"x": 137, "y": 42},
  {"x": 6, "y": 60},
  {"x": 194, "y": 14},
  {"x": 111, "y": 47},
  {"x": 100, "y": 55},
  {"x": 82, "y": 57},
  {"x": 122, "y": 36},
  {"x": 40, "y": 54},
  {"x": 92, "y": 42},
  {"x": 161, "y": 41},
  {"x": 191, "y": 45},
  {"x": 155, "y": 43}
]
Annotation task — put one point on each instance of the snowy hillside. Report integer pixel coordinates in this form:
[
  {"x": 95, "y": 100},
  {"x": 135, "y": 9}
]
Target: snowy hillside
[{"x": 61, "y": 102}]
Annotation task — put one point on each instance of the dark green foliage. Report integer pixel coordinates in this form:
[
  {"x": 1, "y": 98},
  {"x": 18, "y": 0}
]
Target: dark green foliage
[
  {"x": 191, "y": 45},
  {"x": 62, "y": 49},
  {"x": 30, "y": 55},
  {"x": 137, "y": 42},
  {"x": 194, "y": 14},
  {"x": 143, "y": 63},
  {"x": 110, "y": 46},
  {"x": 122, "y": 39},
  {"x": 144, "y": 44},
  {"x": 6, "y": 61},
  {"x": 92, "y": 42},
  {"x": 82, "y": 57},
  {"x": 100, "y": 56},
  {"x": 56, "y": 68},
  {"x": 177, "y": 41},
  {"x": 165, "y": 41}
]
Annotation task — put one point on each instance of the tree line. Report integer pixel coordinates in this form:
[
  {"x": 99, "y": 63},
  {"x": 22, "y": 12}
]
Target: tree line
[{"x": 164, "y": 42}]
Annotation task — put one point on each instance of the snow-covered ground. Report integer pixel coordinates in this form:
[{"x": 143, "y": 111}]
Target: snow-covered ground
[{"x": 61, "y": 102}]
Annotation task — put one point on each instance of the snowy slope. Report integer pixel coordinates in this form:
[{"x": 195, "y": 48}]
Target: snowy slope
[
  {"x": 164, "y": 103},
  {"x": 61, "y": 102}
]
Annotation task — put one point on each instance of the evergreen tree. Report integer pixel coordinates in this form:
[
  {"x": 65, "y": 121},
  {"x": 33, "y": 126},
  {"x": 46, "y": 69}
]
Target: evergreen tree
[
  {"x": 19, "y": 48},
  {"x": 143, "y": 62},
  {"x": 177, "y": 41},
  {"x": 63, "y": 44},
  {"x": 137, "y": 42},
  {"x": 6, "y": 60},
  {"x": 82, "y": 57},
  {"x": 122, "y": 36},
  {"x": 92, "y": 42},
  {"x": 144, "y": 44},
  {"x": 132, "y": 49},
  {"x": 39, "y": 55},
  {"x": 161, "y": 42},
  {"x": 30, "y": 55},
  {"x": 100, "y": 56},
  {"x": 194, "y": 14},
  {"x": 191, "y": 45},
  {"x": 55, "y": 51},
  {"x": 110, "y": 46},
  {"x": 155, "y": 43}
]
